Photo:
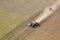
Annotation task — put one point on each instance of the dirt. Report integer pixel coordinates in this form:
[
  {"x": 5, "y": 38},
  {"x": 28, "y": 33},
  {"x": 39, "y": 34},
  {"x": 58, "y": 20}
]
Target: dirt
[{"x": 49, "y": 29}]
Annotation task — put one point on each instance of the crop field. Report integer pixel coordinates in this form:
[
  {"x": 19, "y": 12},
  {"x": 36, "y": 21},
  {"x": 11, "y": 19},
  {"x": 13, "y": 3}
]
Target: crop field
[{"x": 15, "y": 15}]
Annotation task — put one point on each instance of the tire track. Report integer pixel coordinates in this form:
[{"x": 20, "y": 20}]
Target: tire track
[{"x": 26, "y": 34}]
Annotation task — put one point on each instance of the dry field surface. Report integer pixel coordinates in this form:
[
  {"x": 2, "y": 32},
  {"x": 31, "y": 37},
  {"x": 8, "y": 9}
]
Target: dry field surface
[{"x": 16, "y": 14}]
